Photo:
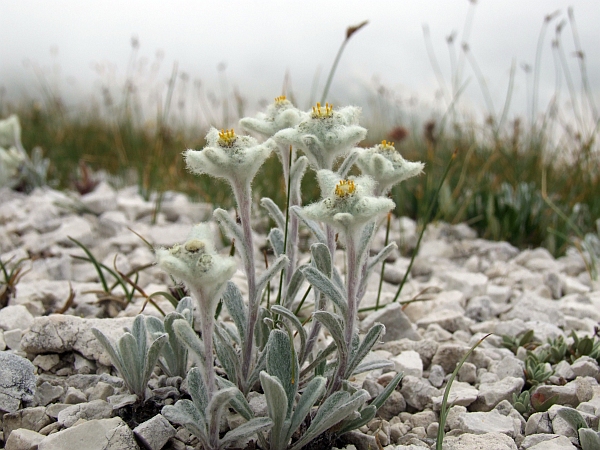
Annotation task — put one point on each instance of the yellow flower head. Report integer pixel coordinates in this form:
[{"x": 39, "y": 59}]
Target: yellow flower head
[
  {"x": 280, "y": 99},
  {"x": 385, "y": 145},
  {"x": 318, "y": 112},
  {"x": 227, "y": 138},
  {"x": 344, "y": 188}
]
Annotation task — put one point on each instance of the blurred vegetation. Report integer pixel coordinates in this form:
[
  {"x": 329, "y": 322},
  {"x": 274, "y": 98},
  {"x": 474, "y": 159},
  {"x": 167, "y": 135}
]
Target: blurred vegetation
[{"x": 494, "y": 185}]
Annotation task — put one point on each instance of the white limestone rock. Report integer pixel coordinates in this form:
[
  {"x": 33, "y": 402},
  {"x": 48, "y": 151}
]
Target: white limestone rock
[{"x": 104, "y": 434}]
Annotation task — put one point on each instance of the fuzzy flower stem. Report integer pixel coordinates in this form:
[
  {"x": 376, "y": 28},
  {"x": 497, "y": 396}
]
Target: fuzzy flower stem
[
  {"x": 352, "y": 282},
  {"x": 244, "y": 202},
  {"x": 207, "y": 324},
  {"x": 330, "y": 240}
]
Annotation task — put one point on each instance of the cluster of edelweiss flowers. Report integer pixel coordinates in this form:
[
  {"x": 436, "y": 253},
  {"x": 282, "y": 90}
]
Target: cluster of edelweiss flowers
[{"x": 349, "y": 205}]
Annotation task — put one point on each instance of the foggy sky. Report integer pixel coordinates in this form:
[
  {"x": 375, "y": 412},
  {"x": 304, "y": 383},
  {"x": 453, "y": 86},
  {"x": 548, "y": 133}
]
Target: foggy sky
[{"x": 79, "y": 45}]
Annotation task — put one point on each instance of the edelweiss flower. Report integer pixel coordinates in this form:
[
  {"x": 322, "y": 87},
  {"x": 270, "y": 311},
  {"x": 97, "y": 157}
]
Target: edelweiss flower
[
  {"x": 349, "y": 203},
  {"x": 197, "y": 264},
  {"x": 10, "y": 132},
  {"x": 324, "y": 134},
  {"x": 12, "y": 155},
  {"x": 387, "y": 167},
  {"x": 227, "y": 155},
  {"x": 280, "y": 114}
]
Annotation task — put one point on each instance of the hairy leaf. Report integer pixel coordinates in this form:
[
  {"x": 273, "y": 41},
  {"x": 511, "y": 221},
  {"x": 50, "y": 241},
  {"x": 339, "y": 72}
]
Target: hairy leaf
[
  {"x": 294, "y": 286},
  {"x": 321, "y": 258},
  {"x": 312, "y": 392},
  {"x": 189, "y": 338},
  {"x": 277, "y": 405},
  {"x": 132, "y": 363},
  {"x": 273, "y": 269},
  {"x": 323, "y": 284},
  {"x": 589, "y": 439},
  {"x": 366, "y": 415},
  {"x": 185, "y": 413},
  {"x": 236, "y": 307},
  {"x": 311, "y": 224},
  {"x": 365, "y": 347},
  {"x": 276, "y": 238},
  {"x": 227, "y": 355},
  {"x": 283, "y": 364},
  {"x": 150, "y": 359},
  {"x": 383, "y": 396},
  {"x": 573, "y": 418},
  {"x": 245, "y": 430},
  {"x": 289, "y": 315},
  {"x": 274, "y": 212},
  {"x": 335, "y": 327},
  {"x": 197, "y": 390},
  {"x": 348, "y": 163},
  {"x": 334, "y": 409}
]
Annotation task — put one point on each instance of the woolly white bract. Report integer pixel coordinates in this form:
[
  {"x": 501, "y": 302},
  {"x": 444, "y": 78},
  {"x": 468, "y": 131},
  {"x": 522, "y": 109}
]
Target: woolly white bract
[
  {"x": 325, "y": 134},
  {"x": 279, "y": 115},
  {"x": 196, "y": 263},
  {"x": 12, "y": 157},
  {"x": 387, "y": 167},
  {"x": 347, "y": 204},
  {"x": 227, "y": 155}
]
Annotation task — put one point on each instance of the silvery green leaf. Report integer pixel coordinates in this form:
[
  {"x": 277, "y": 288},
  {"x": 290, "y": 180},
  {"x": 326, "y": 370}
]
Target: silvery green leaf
[
  {"x": 283, "y": 364},
  {"x": 245, "y": 430},
  {"x": 238, "y": 402},
  {"x": 174, "y": 352},
  {"x": 289, "y": 315},
  {"x": 216, "y": 406},
  {"x": 383, "y": 396},
  {"x": 139, "y": 333},
  {"x": 294, "y": 286},
  {"x": 185, "y": 413},
  {"x": 311, "y": 224},
  {"x": 297, "y": 171},
  {"x": 335, "y": 327},
  {"x": 364, "y": 243},
  {"x": 321, "y": 258},
  {"x": 372, "y": 365},
  {"x": 151, "y": 357},
  {"x": 134, "y": 365},
  {"x": 261, "y": 364},
  {"x": 334, "y": 409},
  {"x": 197, "y": 390},
  {"x": 277, "y": 405},
  {"x": 115, "y": 358},
  {"x": 589, "y": 439},
  {"x": 347, "y": 164},
  {"x": 154, "y": 325},
  {"x": 274, "y": 212},
  {"x": 186, "y": 304},
  {"x": 232, "y": 229},
  {"x": 337, "y": 279},
  {"x": 383, "y": 253},
  {"x": 276, "y": 239},
  {"x": 573, "y": 418},
  {"x": 320, "y": 358},
  {"x": 262, "y": 330},
  {"x": 231, "y": 331},
  {"x": 279, "y": 264},
  {"x": 366, "y": 415},
  {"x": 189, "y": 338},
  {"x": 227, "y": 355},
  {"x": 312, "y": 392},
  {"x": 236, "y": 307},
  {"x": 365, "y": 347},
  {"x": 324, "y": 285}
]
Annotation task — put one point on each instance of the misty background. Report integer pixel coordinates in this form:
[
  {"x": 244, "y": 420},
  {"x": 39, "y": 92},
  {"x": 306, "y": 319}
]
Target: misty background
[{"x": 85, "y": 53}]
